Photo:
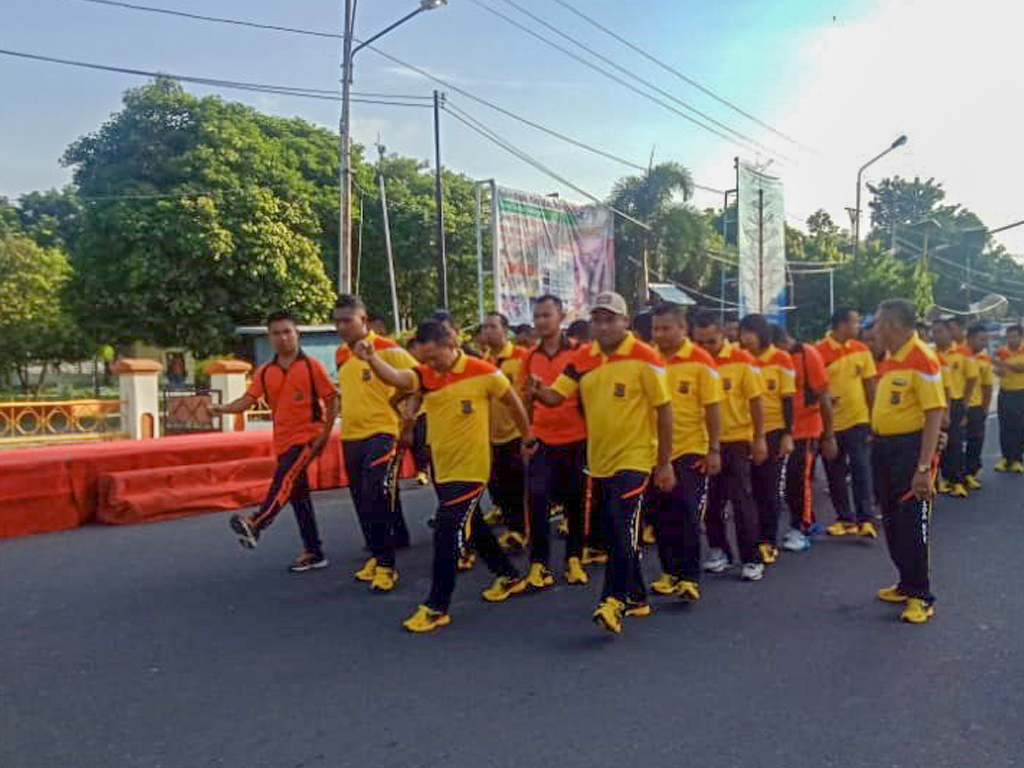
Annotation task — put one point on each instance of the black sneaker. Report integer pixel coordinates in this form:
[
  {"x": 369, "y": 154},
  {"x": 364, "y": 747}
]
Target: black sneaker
[
  {"x": 247, "y": 534},
  {"x": 308, "y": 561}
]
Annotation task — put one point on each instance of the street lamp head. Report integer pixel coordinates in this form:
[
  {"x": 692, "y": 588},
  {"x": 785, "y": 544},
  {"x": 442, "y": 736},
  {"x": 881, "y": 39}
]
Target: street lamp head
[
  {"x": 429, "y": 5},
  {"x": 900, "y": 141}
]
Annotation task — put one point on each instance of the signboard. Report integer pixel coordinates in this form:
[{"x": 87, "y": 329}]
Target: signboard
[{"x": 762, "y": 244}]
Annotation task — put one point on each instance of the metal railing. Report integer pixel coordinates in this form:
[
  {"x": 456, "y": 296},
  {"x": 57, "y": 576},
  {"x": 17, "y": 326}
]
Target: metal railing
[{"x": 52, "y": 421}]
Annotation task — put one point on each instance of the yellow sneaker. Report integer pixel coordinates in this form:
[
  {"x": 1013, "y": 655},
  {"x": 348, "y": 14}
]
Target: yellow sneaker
[
  {"x": 384, "y": 579},
  {"x": 539, "y": 577},
  {"x": 868, "y": 530},
  {"x": 466, "y": 562},
  {"x": 1017, "y": 467},
  {"x": 422, "y": 478},
  {"x": 769, "y": 554},
  {"x": 503, "y": 588},
  {"x": 637, "y": 609},
  {"x": 367, "y": 572},
  {"x": 943, "y": 486},
  {"x": 649, "y": 537},
  {"x": 917, "y": 611},
  {"x": 891, "y": 594},
  {"x": 608, "y": 614},
  {"x": 593, "y": 556},
  {"x": 512, "y": 541},
  {"x": 689, "y": 591},
  {"x": 492, "y": 516},
  {"x": 1002, "y": 466},
  {"x": 842, "y": 528},
  {"x": 574, "y": 573},
  {"x": 563, "y": 528},
  {"x": 666, "y": 585},
  {"x": 426, "y": 620},
  {"x": 972, "y": 482},
  {"x": 959, "y": 491}
]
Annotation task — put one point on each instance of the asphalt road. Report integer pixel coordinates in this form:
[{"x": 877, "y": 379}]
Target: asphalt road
[{"x": 168, "y": 646}]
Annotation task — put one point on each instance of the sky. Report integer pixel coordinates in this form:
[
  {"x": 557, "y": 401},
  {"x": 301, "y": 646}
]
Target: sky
[{"x": 841, "y": 78}]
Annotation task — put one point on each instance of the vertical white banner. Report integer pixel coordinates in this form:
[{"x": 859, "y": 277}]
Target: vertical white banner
[{"x": 762, "y": 244}]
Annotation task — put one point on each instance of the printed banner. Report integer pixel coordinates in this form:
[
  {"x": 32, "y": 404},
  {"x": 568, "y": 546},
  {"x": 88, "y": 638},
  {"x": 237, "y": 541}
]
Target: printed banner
[
  {"x": 762, "y": 244},
  {"x": 546, "y": 245}
]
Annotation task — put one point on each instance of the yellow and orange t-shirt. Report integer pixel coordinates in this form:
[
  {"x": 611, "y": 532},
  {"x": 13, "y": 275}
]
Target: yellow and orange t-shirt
[
  {"x": 910, "y": 385},
  {"x": 365, "y": 399},
  {"x": 849, "y": 365},
  {"x": 295, "y": 395},
  {"x": 741, "y": 383},
  {"x": 811, "y": 378},
  {"x": 457, "y": 403},
  {"x": 509, "y": 361},
  {"x": 1009, "y": 381},
  {"x": 958, "y": 367},
  {"x": 986, "y": 378},
  {"x": 779, "y": 376},
  {"x": 694, "y": 384},
  {"x": 563, "y": 423},
  {"x": 620, "y": 392}
]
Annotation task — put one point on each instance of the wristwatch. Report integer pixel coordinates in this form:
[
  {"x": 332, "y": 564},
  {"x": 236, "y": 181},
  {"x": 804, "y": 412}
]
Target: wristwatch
[{"x": 924, "y": 468}]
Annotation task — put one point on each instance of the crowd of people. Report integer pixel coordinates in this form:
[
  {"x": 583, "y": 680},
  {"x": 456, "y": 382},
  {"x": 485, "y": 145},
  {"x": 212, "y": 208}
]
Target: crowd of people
[{"x": 660, "y": 429}]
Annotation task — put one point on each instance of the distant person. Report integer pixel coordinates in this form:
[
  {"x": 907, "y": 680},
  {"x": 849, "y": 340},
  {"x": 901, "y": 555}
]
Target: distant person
[
  {"x": 959, "y": 377},
  {"x": 978, "y": 405},
  {"x": 731, "y": 329},
  {"x": 445, "y": 318},
  {"x": 578, "y": 332},
  {"x": 524, "y": 336},
  {"x": 1009, "y": 366},
  {"x": 377, "y": 324},
  {"x": 304, "y": 406}
]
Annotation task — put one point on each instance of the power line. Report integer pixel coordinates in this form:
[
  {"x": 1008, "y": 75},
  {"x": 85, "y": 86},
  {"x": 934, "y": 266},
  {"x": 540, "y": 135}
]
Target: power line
[
  {"x": 674, "y": 71},
  {"x": 621, "y": 69},
  {"x": 617, "y": 79}
]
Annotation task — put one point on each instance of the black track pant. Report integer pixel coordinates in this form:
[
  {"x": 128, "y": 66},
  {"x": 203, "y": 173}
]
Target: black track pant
[
  {"x": 766, "y": 480},
  {"x": 800, "y": 484},
  {"x": 555, "y": 476},
  {"x": 620, "y": 498},
  {"x": 1011, "y": 424},
  {"x": 974, "y": 439},
  {"x": 372, "y": 466},
  {"x": 459, "y": 524},
  {"x": 732, "y": 484},
  {"x": 420, "y": 449},
  {"x": 953, "y": 456},
  {"x": 907, "y": 519},
  {"x": 678, "y": 518},
  {"x": 854, "y": 460},
  {"x": 291, "y": 484},
  {"x": 508, "y": 483}
]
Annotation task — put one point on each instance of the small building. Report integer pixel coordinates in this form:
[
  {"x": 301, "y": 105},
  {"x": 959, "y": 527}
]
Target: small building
[{"x": 318, "y": 341}]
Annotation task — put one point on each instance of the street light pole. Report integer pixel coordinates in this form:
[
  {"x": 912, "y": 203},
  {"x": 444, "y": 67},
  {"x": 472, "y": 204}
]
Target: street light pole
[
  {"x": 900, "y": 141},
  {"x": 442, "y": 257},
  {"x": 344, "y": 126}
]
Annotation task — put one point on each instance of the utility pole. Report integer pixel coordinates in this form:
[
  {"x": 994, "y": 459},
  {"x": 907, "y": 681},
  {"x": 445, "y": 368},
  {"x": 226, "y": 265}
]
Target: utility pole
[
  {"x": 442, "y": 259},
  {"x": 387, "y": 241},
  {"x": 760, "y": 251},
  {"x": 345, "y": 172}
]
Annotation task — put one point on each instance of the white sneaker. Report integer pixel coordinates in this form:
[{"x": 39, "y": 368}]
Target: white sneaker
[
  {"x": 795, "y": 541},
  {"x": 752, "y": 572},
  {"x": 717, "y": 561}
]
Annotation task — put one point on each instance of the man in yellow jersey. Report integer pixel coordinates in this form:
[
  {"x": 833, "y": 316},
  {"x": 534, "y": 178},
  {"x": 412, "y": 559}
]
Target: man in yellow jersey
[
  {"x": 370, "y": 428},
  {"x": 622, "y": 385},
  {"x": 906, "y": 419},
  {"x": 851, "y": 385},
  {"x": 696, "y": 390},
  {"x": 978, "y": 406},
  {"x": 959, "y": 376},
  {"x": 1009, "y": 366},
  {"x": 507, "y": 474},
  {"x": 457, "y": 393},
  {"x": 778, "y": 373},
  {"x": 743, "y": 445}
]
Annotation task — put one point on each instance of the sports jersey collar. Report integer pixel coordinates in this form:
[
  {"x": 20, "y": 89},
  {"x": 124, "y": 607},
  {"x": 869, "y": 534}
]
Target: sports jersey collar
[
  {"x": 831, "y": 340},
  {"x": 506, "y": 351},
  {"x": 460, "y": 363},
  {"x": 298, "y": 357},
  {"x": 768, "y": 354},
  {"x": 563, "y": 346},
  {"x": 684, "y": 352},
  {"x": 624, "y": 348},
  {"x": 369, "y": 338},
  {"x": 726, "y": 351},
  {"x": 902, "y": 352}
]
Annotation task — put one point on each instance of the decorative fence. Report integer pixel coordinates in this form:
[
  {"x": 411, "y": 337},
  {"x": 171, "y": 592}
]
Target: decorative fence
[{"x": 53, "y": 421}]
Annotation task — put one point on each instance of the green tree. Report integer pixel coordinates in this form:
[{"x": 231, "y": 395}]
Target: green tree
[
  {"x": 36, "y": 331},
  {"x": 898, "y": 202},
  {"x": 201, "y": 215},
  {"x": 51, "y": 218}
]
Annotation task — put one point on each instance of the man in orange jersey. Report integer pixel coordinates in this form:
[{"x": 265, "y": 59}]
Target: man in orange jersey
[
  {"x": 556, "y": 470},
  {"x": 507, "y": 474},
  {"x": 851, "y": 385},
  {"x": 906, "y": 419},
  {"x": 812, "y": 431},
  {"x": 622, "y": 384},
  {"x": 696, "y": 390},
  {"x": 370, "y": 428},
  {"x": 743, "y": 444},
  {"x": 978, "y": 405},
  {"x": 457, "y": 394},
  {"x": 1009, "y": 367},
  {"x": 304, "y": 405},
  {"x": 779, "y": 378},
  {"x": 960, "y": 377}
]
